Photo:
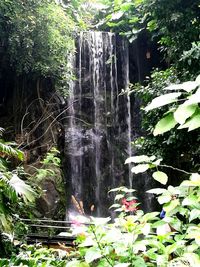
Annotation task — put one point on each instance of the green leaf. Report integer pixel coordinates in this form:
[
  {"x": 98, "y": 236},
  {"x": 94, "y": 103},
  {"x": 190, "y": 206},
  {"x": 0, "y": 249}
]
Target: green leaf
[
  {"x": 100, "y": 221},
  {"x": 130, "y": 198},
  {"x": 198, "y": 80},
  {"x": 194, "y": 98},
  {"x": 127, "y": 190},
  {"x": 115, "y": 206},
  {"x": 193, "y": 123},
  {"x": 150, "y": 216},
  {"x": 171, "y": 205},
  {"x": 8, "y": 149},
  {"x": 193, "y": 259},
  {"x": 5, "y": 222},
  {"x": 194, "y": 180},
  {"x": 76, "y": 264},
  {"x": 139, "y": 159},
  {"x": 122, "y": 265},
  {"x": 146, "y": 229},
  {"x": 140, "y": 168},
  {"x": 191, "y": 200},
  {"x": 164, "y": 125},
  {"x": 194, "y": 214},
  {"x": 164, "y": 199},
  {"x": 112, "y": 236},
  {"x": 119, "y": 196},
  {"x": 139, "y": 246},
  {"x": 160, "y": 177},
  {"x": 21, "y": 188},
  {"x": 173, "y": 222},
  {"x": 126, "y": 6},
  {"x": 177, "y": 245},
  {"x": 92, "y": 254},
  {"x": 184, "y": 112},
  {"x": 157, "y": 191},
  {"x": 139, "y": 262},
  {"x": 117, "y": 15},
  {"x": 186, "y": 86},
  {"x": 195, "y": 177},
  {"x": 123, "y": 189},
  {"x": 88, "y": 242},
  {"x": 163, "y": 100}
]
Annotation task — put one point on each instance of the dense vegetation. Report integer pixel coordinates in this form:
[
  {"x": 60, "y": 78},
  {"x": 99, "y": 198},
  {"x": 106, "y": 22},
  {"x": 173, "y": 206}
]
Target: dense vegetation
[
  {"x": 175, "y": 28},
  {"x": 36, "y": 39}
]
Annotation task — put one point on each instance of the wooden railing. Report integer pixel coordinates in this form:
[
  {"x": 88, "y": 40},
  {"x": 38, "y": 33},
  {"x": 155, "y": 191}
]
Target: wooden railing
[{"x": 49, "y": 231}]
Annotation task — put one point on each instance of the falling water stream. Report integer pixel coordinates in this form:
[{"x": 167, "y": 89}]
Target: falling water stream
[{"x": 99, "y": 132}]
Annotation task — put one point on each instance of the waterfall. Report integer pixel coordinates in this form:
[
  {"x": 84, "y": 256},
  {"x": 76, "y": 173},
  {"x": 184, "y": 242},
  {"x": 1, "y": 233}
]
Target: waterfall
[{"x": 98, "y": 132}]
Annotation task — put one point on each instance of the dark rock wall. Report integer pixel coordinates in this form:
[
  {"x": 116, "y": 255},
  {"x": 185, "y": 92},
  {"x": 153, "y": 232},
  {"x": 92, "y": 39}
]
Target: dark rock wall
[{"x": 104, "y": 119}]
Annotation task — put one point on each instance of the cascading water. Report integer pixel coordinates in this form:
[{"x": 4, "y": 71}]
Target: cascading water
[{"x": 98, "y": 134}]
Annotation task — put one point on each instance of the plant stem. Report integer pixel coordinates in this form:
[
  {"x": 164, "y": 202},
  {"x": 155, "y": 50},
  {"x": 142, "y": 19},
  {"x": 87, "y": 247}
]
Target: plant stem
[
  {"x": 174, "y": 168},
  {"x": 100, "y": 247}
]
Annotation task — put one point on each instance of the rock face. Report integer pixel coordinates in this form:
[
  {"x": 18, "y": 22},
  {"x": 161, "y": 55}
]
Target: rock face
[
  {"x": 48, "y": 203},
  {"x": 103, "y": 119}
]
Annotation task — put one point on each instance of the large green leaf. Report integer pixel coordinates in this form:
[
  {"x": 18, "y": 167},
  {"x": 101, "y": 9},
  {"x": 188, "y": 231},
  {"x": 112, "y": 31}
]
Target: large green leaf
[
  {"x": 139, "y": 159},
  {"x": 191, "y": 200},
  {"x": 177, "y": 245},
  {"x": 194, "y": 214},
  {"x": 194, "y": 98},
  {"x": 161, "y": 177},
  {"x": 183, "y": 112},
  {"x": 193, "y": 123},
  {"x": 165, "y": 198},
  {"x": 171, "y": 205},
  {"x": 140, "y": 168},
  {"x": 163, "y": 100},
  {"x": 92, "y": 254},
  {"x": 165, "y": 124},
  {"x": 186, "y": 86},
  {"x": 157, "y": 191},
  {"x": 21, "y": 188}
]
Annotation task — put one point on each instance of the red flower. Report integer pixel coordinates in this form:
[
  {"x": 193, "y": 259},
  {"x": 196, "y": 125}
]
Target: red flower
[{"x": 129, "y": 205}]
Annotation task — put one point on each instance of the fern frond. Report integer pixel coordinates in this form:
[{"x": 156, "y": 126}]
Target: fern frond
[
  {"x": 7, "y": 149},
  {"x": 1, "y": 131}
]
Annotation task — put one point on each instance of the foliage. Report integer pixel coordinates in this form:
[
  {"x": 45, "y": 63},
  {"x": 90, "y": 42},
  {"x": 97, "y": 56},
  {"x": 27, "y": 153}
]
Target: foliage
[
  {"x": 134, "y": 238},
  {"x": 191, "y": 57},
  {"x": 8, "y": 149},
  {"x": 139, "y": 239},
  {"x": 163, "y": 145},
  {"x": 37, "y": 255},
  {"x": 12, "y": 188},
  {"x": 37, "y": 38},
  {"x": 184, "y": 111},
  {"x": 174, "y": 25},
  {"x": 49, "y": 165},
  {"x": 82, "y": 11}
]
